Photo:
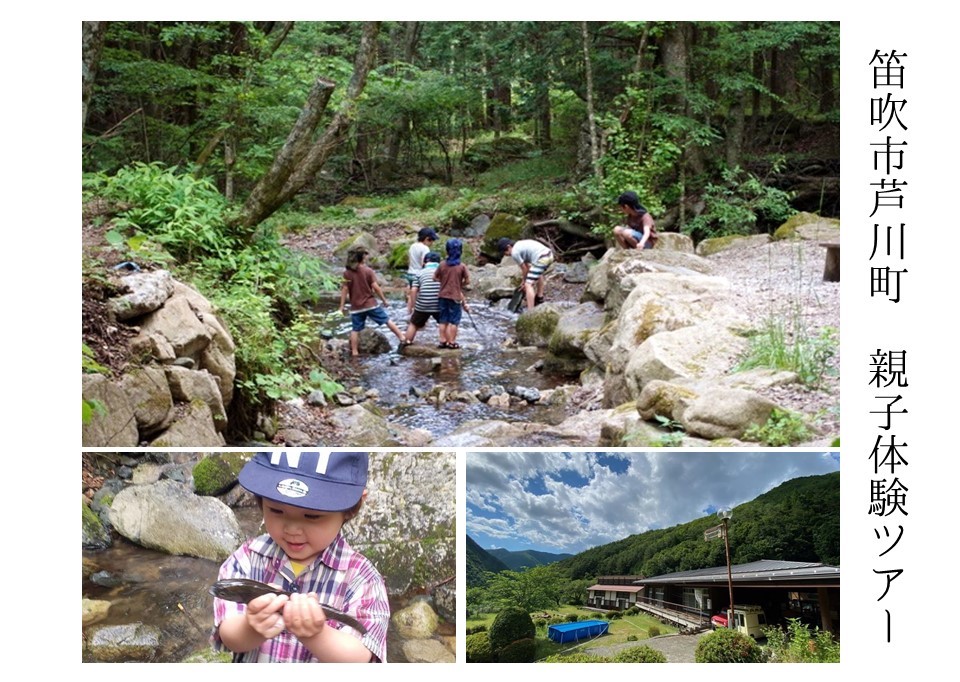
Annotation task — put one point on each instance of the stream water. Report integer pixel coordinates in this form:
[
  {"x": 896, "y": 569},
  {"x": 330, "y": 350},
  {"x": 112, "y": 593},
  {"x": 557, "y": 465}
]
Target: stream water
[
  {"x": 484, "y": 359},
  {"x": 151, "y": 587}
]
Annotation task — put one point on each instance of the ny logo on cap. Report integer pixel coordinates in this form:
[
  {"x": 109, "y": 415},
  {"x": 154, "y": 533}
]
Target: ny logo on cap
[{"x": 293, "y": 460}]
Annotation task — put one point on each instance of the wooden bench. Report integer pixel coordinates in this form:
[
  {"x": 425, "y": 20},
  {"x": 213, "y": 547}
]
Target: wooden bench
[{"x": 831, "y": 266}]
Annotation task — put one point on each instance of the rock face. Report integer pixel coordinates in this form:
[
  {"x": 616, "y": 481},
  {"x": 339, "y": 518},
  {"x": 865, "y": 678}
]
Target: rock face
[
  {"x": 167, "y": 517},
  {"x": 133, "y": 641},
  {"x": 407, "y": 526},
  {"x": 186, "y": 356}
]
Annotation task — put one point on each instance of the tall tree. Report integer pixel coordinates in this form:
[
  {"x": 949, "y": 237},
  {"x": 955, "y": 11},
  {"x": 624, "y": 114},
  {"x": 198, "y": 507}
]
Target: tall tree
[
  {"x": 94, "y": 35},
  {"x": 298, "y": 161},
  {"x": 591, "y": 112}
]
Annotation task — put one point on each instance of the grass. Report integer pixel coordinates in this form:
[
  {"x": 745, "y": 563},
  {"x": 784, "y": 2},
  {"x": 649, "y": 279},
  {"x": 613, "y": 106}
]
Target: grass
[{"x": 618, "y": 632}]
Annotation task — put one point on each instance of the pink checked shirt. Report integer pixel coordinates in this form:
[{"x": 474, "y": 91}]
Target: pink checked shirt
[{"x": 341, "y": 577}]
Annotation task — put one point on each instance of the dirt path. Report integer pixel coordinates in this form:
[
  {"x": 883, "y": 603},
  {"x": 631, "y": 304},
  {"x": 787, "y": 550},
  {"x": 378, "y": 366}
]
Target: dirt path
[{"x": 677, "y": 648}]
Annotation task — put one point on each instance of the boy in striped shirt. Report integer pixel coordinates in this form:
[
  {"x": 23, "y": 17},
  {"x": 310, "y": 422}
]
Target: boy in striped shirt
[
  {"x": 305, "y": 497},
  {"x": 425, "y": 303}
]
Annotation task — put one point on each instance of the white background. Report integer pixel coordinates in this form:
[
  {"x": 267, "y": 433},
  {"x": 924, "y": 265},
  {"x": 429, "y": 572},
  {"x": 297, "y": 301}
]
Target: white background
[{"x": 41, "y": 286}]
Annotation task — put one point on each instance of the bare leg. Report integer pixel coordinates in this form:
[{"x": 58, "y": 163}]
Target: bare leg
[
  {"x": 452, "y": 330},
  {"x": 392, "y": 326},
  {"x": 530, "y": 294},
  {"x": 442, "y": 331},
  {"x": 411, "y": 332},
  {"x": 354, "y": 344}
]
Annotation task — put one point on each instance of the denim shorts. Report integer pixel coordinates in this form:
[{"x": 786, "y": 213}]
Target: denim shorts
[
  {"x": 359, "y": 320},
  {"x": 450, "y": 311}
]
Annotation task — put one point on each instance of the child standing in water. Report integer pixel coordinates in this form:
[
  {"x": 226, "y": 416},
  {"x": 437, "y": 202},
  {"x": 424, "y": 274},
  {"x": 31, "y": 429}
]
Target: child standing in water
[
  {"x": 426, "y": 293},
  {"x": 360, "y": 286},
  {"x": 453, "y": 276},
  {"x": 418, "y": 250},
  {"x": 305, "y": 497}
]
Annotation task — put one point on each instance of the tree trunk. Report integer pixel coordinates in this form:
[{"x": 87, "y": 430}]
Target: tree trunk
[
  {"x": 298, "y": 161},
  {"x": 411, "y": 36},
  {"x": 591, "y": 115},
  {"x": 94, "y": 35}
]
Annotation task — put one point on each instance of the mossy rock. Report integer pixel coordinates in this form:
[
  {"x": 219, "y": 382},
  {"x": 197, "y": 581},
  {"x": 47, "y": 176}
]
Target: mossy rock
[
  {"x": 398, "y": 255},
  {"x": 788, "y": 230},
  {"x": 367, "y": 241},
  {"x": 535, "y": 327},
  {"x": 503, "y": 225},
  {"x": 95, "y": 536},
  {"x": 217, "y": 473},
  {"x": 484, "y": 155}
]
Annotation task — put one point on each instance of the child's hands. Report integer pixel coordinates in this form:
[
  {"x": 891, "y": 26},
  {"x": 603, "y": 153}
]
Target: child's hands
[
  {"x": 264, "y": 614},
  {"x": 303, "y": 615}
]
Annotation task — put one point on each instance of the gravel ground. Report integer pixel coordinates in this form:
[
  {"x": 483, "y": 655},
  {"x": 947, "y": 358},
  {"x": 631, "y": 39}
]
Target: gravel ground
[
  {"x": 677, "y": 648},
  {"x": 783, "y": 281}
]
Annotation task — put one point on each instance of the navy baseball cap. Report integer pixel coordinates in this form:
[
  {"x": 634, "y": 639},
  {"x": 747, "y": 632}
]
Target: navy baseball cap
[
  {"x": 324, "y": 481},
  {"x": 427, "y": 233},
  {"x": 503, "y": 244}
]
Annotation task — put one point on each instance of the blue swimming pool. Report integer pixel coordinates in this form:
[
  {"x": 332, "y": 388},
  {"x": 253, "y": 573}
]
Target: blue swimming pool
[{"x": 572, "y": 632}]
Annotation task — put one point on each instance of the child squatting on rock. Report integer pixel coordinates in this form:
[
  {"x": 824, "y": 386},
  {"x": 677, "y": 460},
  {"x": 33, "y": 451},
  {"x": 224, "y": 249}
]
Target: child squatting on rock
[{"x": 305, "y": 497}]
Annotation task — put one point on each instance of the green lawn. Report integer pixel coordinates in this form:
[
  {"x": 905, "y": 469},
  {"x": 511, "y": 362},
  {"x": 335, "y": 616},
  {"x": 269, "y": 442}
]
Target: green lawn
[{"x": 618, "y": 632}]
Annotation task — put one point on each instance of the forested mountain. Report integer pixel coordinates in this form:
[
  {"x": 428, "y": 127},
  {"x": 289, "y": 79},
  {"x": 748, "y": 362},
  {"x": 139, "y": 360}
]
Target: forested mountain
[
  {"x": 480, "y": 561},
  {"x": 798, "y": 520},
  {"x": 518, "y": 560}
]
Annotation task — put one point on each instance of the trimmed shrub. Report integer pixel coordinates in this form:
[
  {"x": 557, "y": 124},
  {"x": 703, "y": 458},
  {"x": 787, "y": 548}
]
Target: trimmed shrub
[
  {"x": 614, "y": 615},
  {"x": 521, "y": 651},
  {"x": 573, "y": 617},
  {"x": 728, "y": 646},
  {"x": 640, "y": 654},
  {"x": 478, "y": 648},
  {"x": 575, "y": 658},
  {"x": 653, "y": 631},
  {"x": 632, "y": 638},
  {"x": 540, "y": 622},
  {"x": 510, "y": 625},
  {"x": 476, "y": 628}
]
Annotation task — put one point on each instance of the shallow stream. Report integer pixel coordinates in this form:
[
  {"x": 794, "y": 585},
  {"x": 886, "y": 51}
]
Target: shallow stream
[
  {"x": 151, "y": 587},
  {"x": 483, "y": 360}
]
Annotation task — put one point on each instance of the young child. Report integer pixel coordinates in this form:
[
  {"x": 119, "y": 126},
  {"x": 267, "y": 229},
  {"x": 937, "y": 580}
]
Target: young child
[
  {"x": 534, "y": 260},
  {"x": 640, "y": 232},
  {"x": 418, "y": 250},
  {"x": 305, "y": 497},
  {"x": 453, "y": 276},
  {"x": 426, "y": 292},
  {"x": 360, "y": 285}
]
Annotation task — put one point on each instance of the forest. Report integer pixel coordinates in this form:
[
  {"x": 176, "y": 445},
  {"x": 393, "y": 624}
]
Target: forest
[{"x": 207, "y": 146}]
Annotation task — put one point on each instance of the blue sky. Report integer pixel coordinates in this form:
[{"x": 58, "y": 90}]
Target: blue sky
[{"x": 570, "y": 501}]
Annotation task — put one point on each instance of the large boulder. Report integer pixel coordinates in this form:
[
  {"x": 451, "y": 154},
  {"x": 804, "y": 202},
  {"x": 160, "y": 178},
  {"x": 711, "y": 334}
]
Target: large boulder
[
  {"x": 407, "y": 526},
  {"x": 726, "y": 413},
  {"x": 708, "y": 247},
  {"x": 535, "y": 327},
  {"x": 188, "y": 385},
  {"x": 674, "y": 241},
  {"x": 193, "y": 427},
  {"x": 149, "y": 394},
  {"x": 694, "y": 352},
  {"x": 167, "y": 517},
  {"x": 146, "y": 291},
  {"x": 113, "y": 422}
]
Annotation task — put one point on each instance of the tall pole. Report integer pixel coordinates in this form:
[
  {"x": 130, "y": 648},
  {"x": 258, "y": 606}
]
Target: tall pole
[{"x": 726, "y": 542}]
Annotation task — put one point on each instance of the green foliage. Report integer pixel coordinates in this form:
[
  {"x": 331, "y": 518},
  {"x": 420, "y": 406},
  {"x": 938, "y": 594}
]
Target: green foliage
[
  {"x": 653, "y": 631},
  {"x": 781, "y": 429},
  {"x": 728, "y": 646},
  {"x": 792, "y": 349},
  {"x": 182, "y": 213},
  {"x": 796, "y": 521},
  {"x": 535, "y": 588},
  {"x": 89, "y": 364},
  {"x": 572, "y": 617},
  {"x": 478, "y": 648},
  {"x": 639, "y": 654},
  {"x": 798, "y": 644},
  {"x": 737, "y": 204},
  {"x": 510, "y": 625},
  {"x": 632, "y": 638},
  {"x": 520, "y": 651}
]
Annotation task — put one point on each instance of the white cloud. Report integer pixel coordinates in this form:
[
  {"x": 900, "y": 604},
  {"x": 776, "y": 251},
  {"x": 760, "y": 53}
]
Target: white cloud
[{"x": 658, "y": 490}]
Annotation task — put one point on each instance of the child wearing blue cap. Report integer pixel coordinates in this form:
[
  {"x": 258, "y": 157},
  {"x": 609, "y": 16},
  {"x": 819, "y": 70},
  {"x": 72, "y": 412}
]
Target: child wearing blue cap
[
  {"x": 305, "y": 497},
  {"x": 453, "y": 276}
]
